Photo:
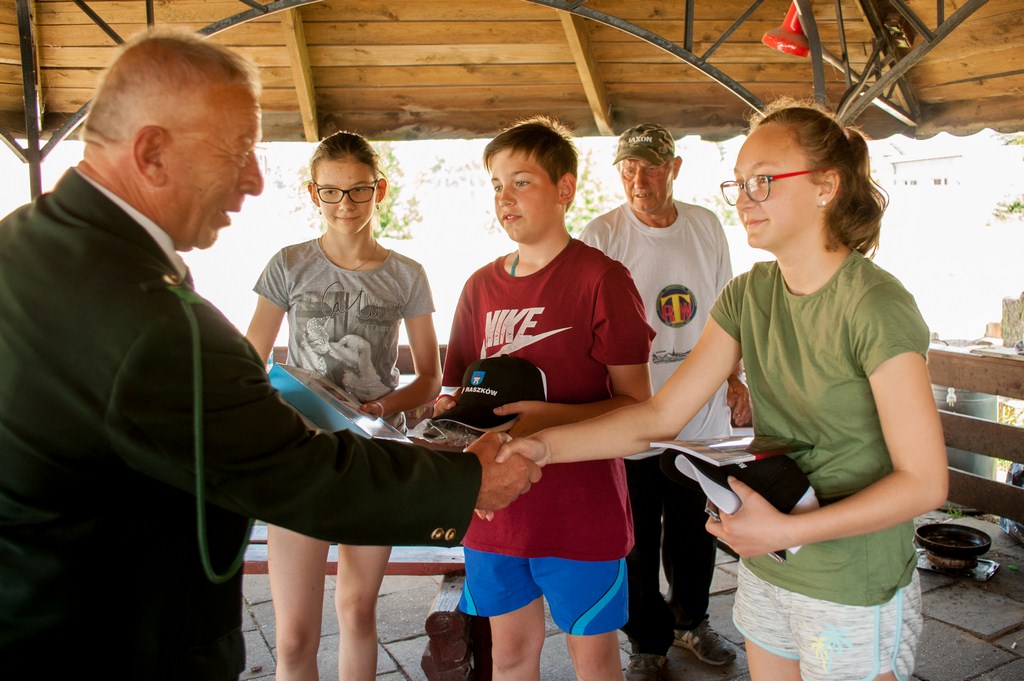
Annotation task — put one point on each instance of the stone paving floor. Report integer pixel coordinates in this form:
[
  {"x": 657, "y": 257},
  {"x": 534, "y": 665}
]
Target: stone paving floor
[{"x": 974, "y": 631}]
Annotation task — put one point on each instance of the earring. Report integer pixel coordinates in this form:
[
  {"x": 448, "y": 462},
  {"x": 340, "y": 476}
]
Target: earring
[{"x": 823, "y": 202}]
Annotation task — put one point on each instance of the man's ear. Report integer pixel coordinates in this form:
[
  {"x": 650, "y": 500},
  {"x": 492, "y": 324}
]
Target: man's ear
[
  {"x": 149, "y": 147},
  {"x": 566, "y": 189}
]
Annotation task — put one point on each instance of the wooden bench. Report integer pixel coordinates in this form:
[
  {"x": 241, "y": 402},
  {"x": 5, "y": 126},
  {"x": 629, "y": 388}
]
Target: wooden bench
[
  {"x": 990, "y": 375},
  {"x": 456, "y": 642},
  {"x": 405, "y": 560},
  {"x": 404, "y": 361}
]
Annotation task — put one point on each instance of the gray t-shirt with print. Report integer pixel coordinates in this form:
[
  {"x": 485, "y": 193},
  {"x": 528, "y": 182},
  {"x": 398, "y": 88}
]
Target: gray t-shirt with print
[{"x": 344, "y": 324}]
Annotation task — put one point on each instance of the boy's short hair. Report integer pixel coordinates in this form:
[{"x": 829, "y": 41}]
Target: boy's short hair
[{"x": 543, "y": 139}]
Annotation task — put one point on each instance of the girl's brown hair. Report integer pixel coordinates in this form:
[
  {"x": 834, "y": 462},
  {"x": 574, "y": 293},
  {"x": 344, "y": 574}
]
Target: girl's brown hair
[
  {"x": 342, "y": 146},
  {"x": 854, "y": 218}
]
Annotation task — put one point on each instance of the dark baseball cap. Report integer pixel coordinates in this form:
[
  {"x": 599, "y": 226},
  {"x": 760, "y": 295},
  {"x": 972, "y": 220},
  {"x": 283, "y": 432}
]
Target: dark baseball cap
[
  {"x": 649, "y": 142},
  {"x": 493, "y": 382}
]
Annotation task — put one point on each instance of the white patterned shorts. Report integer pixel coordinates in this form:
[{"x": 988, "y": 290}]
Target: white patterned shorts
[{"x": 832, "y": 641}]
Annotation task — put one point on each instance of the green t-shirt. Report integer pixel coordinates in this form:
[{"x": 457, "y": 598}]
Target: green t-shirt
[{"x": 807, "y": 361}]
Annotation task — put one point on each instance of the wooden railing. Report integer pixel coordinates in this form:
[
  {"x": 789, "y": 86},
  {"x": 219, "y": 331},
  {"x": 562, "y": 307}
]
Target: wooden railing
[
  {"x": 990, "y": 375},
  {"x": 404, "y": 357}
]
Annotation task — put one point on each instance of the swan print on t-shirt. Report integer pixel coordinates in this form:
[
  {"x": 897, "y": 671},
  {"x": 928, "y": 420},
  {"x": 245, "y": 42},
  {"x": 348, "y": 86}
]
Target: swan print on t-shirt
[{"x": 346, "y": 336}]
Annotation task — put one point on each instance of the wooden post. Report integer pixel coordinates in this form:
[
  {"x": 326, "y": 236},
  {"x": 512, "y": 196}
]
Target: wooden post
[
  {"x": 447, "y": 656},
  {"x": 1013, "y": 320}
]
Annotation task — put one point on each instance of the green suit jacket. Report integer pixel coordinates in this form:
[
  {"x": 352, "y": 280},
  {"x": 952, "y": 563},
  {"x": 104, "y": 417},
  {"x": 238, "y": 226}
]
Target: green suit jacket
[{"x": 99, "y": 557}]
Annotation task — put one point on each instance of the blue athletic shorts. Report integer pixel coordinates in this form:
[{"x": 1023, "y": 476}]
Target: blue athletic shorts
[{"x": 584, "y": 597}]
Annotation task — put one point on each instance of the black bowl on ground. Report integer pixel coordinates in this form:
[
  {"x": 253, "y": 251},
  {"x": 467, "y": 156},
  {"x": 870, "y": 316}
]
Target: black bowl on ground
[{"x": 948, "y": 540}]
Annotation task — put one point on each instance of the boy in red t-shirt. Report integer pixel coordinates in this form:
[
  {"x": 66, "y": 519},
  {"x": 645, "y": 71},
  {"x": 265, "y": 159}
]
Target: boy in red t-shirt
[{"x": 576, "y": 314}]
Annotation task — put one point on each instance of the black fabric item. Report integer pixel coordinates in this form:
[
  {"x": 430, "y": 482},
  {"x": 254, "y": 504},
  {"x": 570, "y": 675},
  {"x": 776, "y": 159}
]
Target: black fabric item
[{"x": 778, "y": 478}]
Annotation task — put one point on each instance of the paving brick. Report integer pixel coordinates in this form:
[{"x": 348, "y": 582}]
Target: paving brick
[
  {"x": 1014, "y": 671},
  {"x": 975, "y": 610},
  {"x": 949, "y": 654}
]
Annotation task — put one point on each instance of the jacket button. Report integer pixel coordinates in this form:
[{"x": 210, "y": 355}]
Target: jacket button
[
  {"x": 437, "y": 534},
  {"x": 450, "y": 534}
]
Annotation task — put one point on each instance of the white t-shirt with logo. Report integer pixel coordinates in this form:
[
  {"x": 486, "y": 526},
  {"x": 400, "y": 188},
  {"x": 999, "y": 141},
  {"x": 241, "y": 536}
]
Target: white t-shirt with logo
[{"x": 679, "y": 271}]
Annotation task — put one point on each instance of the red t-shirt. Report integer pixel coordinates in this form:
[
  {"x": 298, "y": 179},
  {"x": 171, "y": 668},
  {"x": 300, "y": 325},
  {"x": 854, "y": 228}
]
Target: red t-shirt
[{"x": 572, "y": 319}]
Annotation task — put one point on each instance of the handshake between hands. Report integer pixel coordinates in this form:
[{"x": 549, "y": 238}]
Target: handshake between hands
[{"x": 508, "y": 469}]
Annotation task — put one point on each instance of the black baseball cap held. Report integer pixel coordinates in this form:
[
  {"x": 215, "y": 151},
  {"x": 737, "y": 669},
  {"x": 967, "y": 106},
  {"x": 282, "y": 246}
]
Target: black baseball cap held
[{"x": 492, "y": 382}]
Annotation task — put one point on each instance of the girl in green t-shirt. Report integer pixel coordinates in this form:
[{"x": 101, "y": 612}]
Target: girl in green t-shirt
[{"x": 834, "y": 351}]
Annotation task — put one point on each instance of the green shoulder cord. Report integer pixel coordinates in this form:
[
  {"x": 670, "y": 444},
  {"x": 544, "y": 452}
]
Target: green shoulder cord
[{"x": 188, "y": 298}]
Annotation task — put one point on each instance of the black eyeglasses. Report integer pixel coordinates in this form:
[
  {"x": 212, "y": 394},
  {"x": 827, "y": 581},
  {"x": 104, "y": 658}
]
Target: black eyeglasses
[
  {"x": 355, "y": 194},
  {"x": 757, "y": 187}
]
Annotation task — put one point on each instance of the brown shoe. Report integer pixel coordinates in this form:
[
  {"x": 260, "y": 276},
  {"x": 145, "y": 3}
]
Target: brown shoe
[
  {"x": 645, "y": 667},
  {"x": 706, "y": 644}
]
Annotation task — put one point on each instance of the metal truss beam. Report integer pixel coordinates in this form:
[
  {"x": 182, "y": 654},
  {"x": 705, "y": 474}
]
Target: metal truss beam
[
  {"x": 31, "y": 96},
  {"x": 859, "y": 99},
  {"x": 682, "y": 52},
  {"x": 859, "y": 94}
]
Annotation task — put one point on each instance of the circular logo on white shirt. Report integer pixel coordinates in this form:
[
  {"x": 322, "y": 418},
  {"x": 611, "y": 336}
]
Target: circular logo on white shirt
[{"x": 676, "y": 305}]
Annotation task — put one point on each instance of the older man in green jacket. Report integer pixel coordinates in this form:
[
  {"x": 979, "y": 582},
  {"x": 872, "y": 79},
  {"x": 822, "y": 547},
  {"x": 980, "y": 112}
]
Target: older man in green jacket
[{"x": 138, "y": 431}]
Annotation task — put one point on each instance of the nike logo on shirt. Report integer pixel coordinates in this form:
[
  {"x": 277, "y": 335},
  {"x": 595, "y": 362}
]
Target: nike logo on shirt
[{"x": 508, "y": 331}]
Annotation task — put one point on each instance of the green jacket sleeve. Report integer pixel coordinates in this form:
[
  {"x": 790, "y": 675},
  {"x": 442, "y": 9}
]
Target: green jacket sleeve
[{"x": 261, "y": 460}]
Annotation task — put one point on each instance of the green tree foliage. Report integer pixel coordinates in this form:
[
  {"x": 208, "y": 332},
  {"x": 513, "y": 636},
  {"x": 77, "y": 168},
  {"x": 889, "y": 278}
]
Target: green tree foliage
[
  {"x": 397, "y": 215},
  {"x": 1007, "y": 210},
  {"x": 592, "y": 196},
  {"x": 1012, "y": 209}
]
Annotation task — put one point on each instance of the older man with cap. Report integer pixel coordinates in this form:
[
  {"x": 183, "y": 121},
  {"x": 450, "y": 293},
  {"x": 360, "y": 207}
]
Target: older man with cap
[{"x": 679, "y": 259}]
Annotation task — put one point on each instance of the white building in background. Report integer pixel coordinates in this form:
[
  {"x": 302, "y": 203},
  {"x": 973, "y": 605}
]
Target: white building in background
[
  {"x": 929, "y": 172},
  {"x": 940, "y": 235}
]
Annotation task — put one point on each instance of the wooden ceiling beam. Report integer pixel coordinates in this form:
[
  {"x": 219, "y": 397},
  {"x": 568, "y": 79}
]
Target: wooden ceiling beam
[
  {"x": 586, "y": 64},
  {"x": 298, "y": 54}
]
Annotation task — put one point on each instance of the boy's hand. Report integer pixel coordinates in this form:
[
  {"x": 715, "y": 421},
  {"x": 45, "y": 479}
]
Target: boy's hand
[
  {"x": 501, "y": 483},
  {"x": 442, "y": 404},
  {"x": 533, "y": 415}
]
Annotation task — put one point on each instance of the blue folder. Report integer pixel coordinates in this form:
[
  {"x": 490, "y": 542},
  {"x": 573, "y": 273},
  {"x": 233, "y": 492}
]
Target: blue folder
[{"x": 327, "y": 406}]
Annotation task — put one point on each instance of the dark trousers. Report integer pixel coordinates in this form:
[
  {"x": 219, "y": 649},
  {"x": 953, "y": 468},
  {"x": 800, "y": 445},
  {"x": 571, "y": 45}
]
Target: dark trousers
[{"x": 668, "y": 526}]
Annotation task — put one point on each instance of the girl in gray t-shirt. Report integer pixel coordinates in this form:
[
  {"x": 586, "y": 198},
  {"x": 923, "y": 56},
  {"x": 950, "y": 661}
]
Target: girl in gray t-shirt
[{"x": 345, "y": 297}]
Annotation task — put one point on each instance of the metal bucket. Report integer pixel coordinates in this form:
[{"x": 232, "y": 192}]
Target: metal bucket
[{"x": 978, "y": 405}]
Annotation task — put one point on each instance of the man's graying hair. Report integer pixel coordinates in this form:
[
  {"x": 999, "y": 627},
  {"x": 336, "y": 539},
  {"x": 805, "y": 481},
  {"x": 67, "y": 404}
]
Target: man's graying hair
[{"x": 161, "y": 64}]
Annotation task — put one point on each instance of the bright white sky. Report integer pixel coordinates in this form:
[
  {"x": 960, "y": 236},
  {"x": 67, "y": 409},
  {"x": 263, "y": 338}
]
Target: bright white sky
[{"x": 939, "y": 239}]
